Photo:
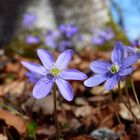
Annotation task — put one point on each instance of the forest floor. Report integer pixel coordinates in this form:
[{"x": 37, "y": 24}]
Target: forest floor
[{"x": 92, "y": 115}]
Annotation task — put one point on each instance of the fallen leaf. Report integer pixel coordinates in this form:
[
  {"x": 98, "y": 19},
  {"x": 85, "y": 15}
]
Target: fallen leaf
[
  {"x": 13, "y": 120},
  {"x": 125, "y": 114},
  {"x": 82, "y": 138},
  {"x": 3, "y": 137},
  {"x": 10, "y": 67},
  {"x": 44, "y": 104},
  {"x": 127, "y": 138},
  {"x": 83, "y": 111},
  {"x": 12, "y": 87},
  {"x": 80, "y": 101},
  {"x": 100, "y": 99},
  {"x": 66, "y": 106},
  {"x": 84, "y": 65},
  {"x": 49, "y": 130},
  {"x": 99, "y": 90},
  {"x": 107, "y": 121},
  {"x": 136, "y": 76}
]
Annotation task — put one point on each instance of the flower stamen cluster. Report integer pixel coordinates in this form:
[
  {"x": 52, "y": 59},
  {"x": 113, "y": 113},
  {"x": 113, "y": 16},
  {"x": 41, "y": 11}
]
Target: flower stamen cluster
[
  {"x": 114, "y": 68},
  {"x": 55, "y": 71}
]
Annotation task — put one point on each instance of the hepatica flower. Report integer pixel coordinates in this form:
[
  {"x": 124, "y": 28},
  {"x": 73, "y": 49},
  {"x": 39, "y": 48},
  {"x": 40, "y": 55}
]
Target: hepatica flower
[
  {"x": 68, "y": 30},
  {"x": 134, "y": 48},
  {"x": 51, "y": 39},
  {"x": 135, "y": 43},
  {"x": 65, "y": 44},
  {"x": 33, "y": 77},
  {"x": 28, "y": 20},
  {"x": 98, "y": 40},
  {"x": 102, "y": 36},
  {"x": 120, "y": 67},
  {"x": 107, "y": 34},
  {"x": 30, "y": 39},
  {"x": 54, "y": 72}
]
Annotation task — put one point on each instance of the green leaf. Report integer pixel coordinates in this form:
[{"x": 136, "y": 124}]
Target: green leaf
[
  {"x": 32, "y": 127},
  {"x": 64, "y": 125}
]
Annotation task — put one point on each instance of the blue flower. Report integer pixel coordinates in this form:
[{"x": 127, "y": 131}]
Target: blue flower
[
  {"x": 64, "y": 44},
  {"x": 135, "y": 43},
  {"x": 30, "y": 39},
  {"x": 33, "y": 77},
  {"x": 120, "y": 67},
  {"x": 98, "y": 40},
  {"x": 51, "y": 39},
  {"x": 69, "y": 30},
  {"x": 54, "y": 72},
  {"x": 107, "y": 34},
  {"x": 28, "y": 20},
  {"x": 134, "y": 48},
  {"x": 102, "y": 36}
]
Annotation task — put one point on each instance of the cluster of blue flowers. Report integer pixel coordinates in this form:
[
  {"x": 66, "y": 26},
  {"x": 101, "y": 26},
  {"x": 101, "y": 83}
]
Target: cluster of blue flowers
[
  {"x": 28, "y": 20},
  {"x": 63, "y": 38},
  {"x": 30, "y": 39},
  {"x": 53, "y": 71},
  {"x": 66, "y": 36},
  {"x": 28, "y": 24},
  {"x": 101, "y": 37}
]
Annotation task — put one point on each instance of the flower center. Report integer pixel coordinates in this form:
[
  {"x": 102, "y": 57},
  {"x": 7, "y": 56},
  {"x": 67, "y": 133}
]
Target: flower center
[
  {"x": 114, "y": 68},
  {"x": 55, "y": 71},
  {"x": 137, "y": 49}
]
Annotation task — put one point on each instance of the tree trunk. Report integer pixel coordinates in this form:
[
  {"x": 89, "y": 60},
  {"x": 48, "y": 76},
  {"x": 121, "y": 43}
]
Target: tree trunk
[
  {"x": 10, "y": 10},
  {"x": 84, "y": 13}
]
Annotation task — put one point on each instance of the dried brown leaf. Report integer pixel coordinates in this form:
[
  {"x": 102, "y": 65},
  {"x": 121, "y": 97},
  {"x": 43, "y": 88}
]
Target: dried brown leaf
[
  {"x": 3, "y": 137},
  {"x": 83, "y": 111},
  {"x": 82, "y": 138},
  {"x": 12, "y": 87},
  {"x": 99, "y": 90},
  {"x": 81, "y": 101},
  {"x": 126, "y": 114},
  {"x": 136, "y": 76},
  {"x": 13, "y": 120}
]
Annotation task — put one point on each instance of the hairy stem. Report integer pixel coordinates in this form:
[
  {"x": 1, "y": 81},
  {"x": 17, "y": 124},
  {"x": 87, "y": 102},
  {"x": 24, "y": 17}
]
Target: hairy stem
[
  {"x": 129, "y": 103},
  {"x": 114, "y": 109},
  {"x": 55, "y": 114},
  {"x": 121, "y": 96},
  {"x": 135, "y": 94}
]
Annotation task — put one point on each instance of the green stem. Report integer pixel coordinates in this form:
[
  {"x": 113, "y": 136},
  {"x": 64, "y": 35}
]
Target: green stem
[
  {"x": 135, "y": 94},
  {"x": 55, "y": 114},
  {"x": 120, "y": 93}
]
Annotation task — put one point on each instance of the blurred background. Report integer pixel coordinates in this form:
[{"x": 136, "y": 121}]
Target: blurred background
[
  {"x": 42, "y": 18},
  {"x": 90, "y": 28}
]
